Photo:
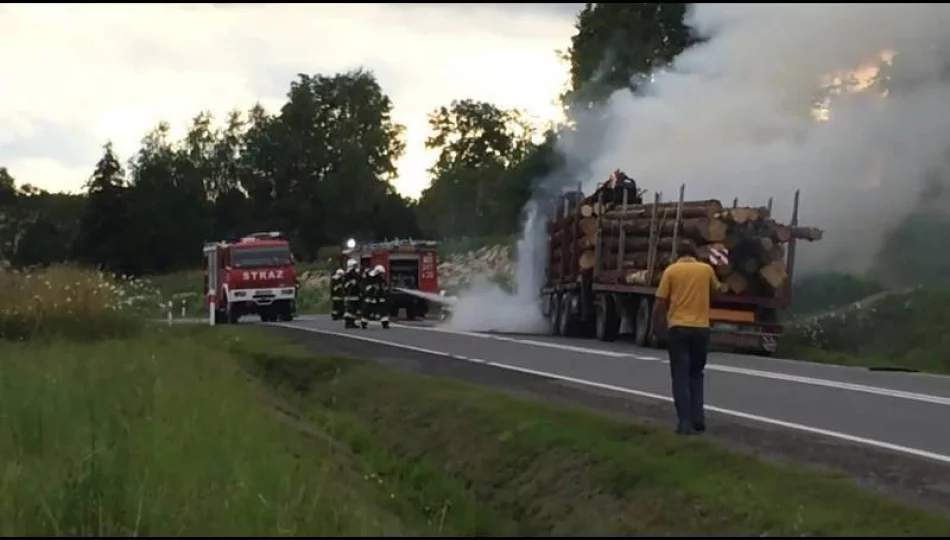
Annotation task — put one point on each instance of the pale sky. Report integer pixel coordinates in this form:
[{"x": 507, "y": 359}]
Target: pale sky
[{"x": 77, "y": 75}]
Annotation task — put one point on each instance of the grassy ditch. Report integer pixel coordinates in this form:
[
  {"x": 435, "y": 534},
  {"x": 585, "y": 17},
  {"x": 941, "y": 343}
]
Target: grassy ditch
[
  {"x": 484, "y": 463},
  {"x": 162, "y": 435},
  {"x": 898, "y": 329}
]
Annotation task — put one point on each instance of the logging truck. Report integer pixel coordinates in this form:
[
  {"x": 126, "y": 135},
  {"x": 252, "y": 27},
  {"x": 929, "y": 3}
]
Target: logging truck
[{"x": 606, "y": 257}]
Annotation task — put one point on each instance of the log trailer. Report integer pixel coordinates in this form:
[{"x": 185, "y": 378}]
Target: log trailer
[
  {"x": 410, "y": 264},
  {"x": 250, "y": 275},
  {"x": 604, "y": 298}
]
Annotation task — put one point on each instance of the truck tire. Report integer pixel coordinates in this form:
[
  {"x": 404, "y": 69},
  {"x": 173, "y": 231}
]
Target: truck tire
[
  {"x": 567, "y": 321},
  {"x": 643, "y": 324},
  {"x": 554, "y": 318},
  {"x": 608, "y": 322},
  {"x": 231, "y": 314}
]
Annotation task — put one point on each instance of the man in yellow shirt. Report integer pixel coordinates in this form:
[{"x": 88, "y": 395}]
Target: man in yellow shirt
[{"x": 681, "y": 312}]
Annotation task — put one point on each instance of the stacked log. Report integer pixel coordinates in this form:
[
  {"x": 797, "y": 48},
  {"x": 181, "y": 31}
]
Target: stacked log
[{"x": 754, "y": 241}]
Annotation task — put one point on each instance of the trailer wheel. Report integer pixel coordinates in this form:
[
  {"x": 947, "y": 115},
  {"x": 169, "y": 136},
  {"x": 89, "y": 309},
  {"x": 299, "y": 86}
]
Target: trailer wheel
[
  {"x": 567, "y": 322},
  {"x": 642, "y": 325},
  {"x": 555, "y": 317},
  {"x": 608, "y": 323}
]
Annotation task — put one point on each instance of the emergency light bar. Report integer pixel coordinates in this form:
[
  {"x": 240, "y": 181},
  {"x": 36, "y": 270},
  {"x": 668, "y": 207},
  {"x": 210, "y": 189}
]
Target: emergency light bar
[
  {"x": 211, "y": 246},
  {"x": 269, "y": 234},
  {"x": 397, "y": 244}
]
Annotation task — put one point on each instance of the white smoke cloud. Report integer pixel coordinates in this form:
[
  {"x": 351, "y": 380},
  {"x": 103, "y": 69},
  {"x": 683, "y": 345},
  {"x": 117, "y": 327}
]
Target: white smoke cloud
[
  {"x": 484, "y": 306},
  {"x": 733, "y": 118}
]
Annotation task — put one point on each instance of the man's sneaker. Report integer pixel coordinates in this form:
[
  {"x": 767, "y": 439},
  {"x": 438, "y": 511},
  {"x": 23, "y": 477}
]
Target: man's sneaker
[{"x": 685, "y": 429}]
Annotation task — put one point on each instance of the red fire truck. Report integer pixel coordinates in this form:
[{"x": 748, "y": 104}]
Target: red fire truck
[
  {"x": 252, "y": 275},
  {"x": 410, "y": 264}
]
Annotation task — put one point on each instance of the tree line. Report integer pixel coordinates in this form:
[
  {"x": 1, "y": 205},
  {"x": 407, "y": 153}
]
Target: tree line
[{"x": 321, "y": 167}]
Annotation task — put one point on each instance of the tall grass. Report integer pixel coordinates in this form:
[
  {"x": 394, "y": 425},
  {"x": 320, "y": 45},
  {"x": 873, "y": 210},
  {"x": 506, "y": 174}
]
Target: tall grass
[
  {"x": 107, "y": 430},
  {"x": 66, "y": 302},
  {"x": 161, "y": 435}
]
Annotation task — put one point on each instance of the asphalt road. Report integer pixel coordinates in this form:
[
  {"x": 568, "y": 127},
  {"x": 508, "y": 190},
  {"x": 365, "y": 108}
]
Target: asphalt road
[{"x": 905, "y": 413}]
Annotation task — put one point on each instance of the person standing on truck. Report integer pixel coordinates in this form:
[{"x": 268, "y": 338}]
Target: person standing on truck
[
  {"x": 681, "y": 313},
  {"x": 336, "y": 295},
  {"x": 351, "y": 294}
]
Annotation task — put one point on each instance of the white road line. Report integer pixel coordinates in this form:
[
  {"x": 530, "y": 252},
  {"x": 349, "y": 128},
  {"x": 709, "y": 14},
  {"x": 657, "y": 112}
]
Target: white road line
[
  {"x": 562, "y": 346},
  {"x": 787, "y": 377},
  {"x": 623, "y": 390}
]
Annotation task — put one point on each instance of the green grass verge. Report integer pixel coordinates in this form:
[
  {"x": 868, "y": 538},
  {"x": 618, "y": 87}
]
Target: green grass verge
[
  {"x": 177, "y": 432},
  {"x": 504, "y": 466},
  {"x": 163, "y": 436},
  {"x": 903, "y": 329}
]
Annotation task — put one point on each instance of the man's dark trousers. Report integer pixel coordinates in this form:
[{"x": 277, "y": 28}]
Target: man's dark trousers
[{"x": 688, "y": 348}]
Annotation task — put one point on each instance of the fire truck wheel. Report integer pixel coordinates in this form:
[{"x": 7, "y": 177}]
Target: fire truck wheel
[
  {"x": 285, "y": 316},
  {"x": 232, "y": 315}
]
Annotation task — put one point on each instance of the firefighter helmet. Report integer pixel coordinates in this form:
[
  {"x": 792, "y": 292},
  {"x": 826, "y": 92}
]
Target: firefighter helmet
[
  {"x": 350, "y": 264},
  {"x": 379, "y": 269},
  {"x": 339, "y": 273}
]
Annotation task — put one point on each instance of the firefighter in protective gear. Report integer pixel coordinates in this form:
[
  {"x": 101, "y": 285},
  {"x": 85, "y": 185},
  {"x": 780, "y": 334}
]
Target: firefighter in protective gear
[
  {"x": 381, "y": 294},
  {"x": 336, "y": 294},
  {"x": 351, "y": 294},
  {"x": 367, "y": 297}
]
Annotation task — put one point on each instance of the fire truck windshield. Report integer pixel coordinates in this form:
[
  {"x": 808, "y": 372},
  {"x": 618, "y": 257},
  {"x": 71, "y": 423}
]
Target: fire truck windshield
[{"x": 252, "y": 257}]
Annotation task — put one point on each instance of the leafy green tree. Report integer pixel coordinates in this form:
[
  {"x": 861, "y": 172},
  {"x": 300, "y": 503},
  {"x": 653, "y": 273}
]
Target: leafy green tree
[
  {"x": 104, "y": 229},
  {"x": 618, "y": 45},
  {"x": 321, "y": 169},
  {"x": 472, "y": 192},
  {"x": 230, "y": 205},
  {"x": 8, "y": 217},
  {"x": 168, "y": 194},
  {"x": 48, "y": 226},
  {"x": 7, "y": 188}
]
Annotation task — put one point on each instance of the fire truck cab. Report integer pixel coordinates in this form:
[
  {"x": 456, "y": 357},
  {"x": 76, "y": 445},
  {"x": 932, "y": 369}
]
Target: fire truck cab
[
  {"x": 251, "y": 275},
  {"x": 410, "y": 264}
]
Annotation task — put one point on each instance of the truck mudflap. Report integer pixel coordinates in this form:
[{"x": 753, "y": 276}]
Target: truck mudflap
[{"x": 737, "y": 340}]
